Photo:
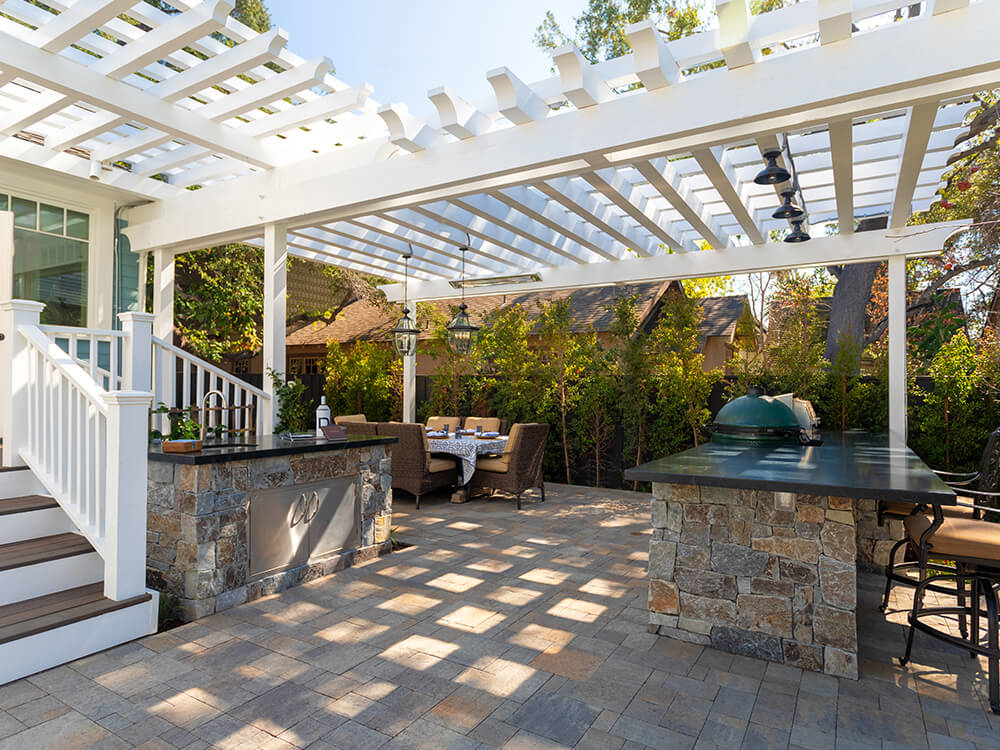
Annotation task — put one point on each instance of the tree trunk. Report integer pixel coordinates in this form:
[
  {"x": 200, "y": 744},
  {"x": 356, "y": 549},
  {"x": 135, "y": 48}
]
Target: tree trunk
[
  {"x": 562, "y": 398},
  {"x": 849, "y": 308}
]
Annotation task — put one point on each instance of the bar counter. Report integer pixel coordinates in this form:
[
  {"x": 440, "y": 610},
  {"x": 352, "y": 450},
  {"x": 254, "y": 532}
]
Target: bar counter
[{"x": 754, "y": 549}]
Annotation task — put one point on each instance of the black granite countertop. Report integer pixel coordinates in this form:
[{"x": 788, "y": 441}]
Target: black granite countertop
[
  {"x": 852, "y": 464},
  {"x": 265, "y": 446}
]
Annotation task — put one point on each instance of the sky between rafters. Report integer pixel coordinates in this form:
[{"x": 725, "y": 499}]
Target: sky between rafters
[{"x": 404, "y": 48}]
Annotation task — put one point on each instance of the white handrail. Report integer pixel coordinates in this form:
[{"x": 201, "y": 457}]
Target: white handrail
[
  {"x": 198, "y": 377},
  {"x": 66, "y": 440},
  {"x": 109, "y": 377}
]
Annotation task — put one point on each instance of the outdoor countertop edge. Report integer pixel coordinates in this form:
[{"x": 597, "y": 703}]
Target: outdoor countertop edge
[{"x": 267, "y": 446}]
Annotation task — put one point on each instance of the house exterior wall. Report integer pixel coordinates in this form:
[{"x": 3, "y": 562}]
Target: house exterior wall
[{"x": 99, "y": 204}]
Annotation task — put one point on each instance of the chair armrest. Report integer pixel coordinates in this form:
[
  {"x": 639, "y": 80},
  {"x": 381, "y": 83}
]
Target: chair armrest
[
  {"x": 980, "y": 493},
  {"x": 961, "y": 485},
  {"x": 961, "y": 475}
]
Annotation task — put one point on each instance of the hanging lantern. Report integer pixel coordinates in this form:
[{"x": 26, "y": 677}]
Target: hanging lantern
[
  {"x": 788, "y": 210},
  {"x": 461, "y": 332},
  {"x": 798, "y": 234},
  {"x": 404, "y": 335},
  {"x": 772, "y": 174}
]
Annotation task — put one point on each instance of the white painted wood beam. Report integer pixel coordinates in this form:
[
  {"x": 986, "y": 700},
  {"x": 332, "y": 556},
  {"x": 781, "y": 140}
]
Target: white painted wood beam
[
  {"x": 320, "y": 108},
  {"x": 85, "y": 129},
  {"x": 457, "y": 116},
  {"x": 842, "y": 156},
  {"x": 173, "y": 34},
  {"x": 349, "y": 244},
  {"x": 551, "y": 214},
  {"x": 946, "y": 6},
  {"x": 333, "y": 259},
  {"x": 78, "y": 82},
  {"x": 76, "y": 21},
  {"x": 711, "y": 163},
  {"x": 591, "y": 211},
  {"x": 654, "y": 65},
  {"x": 582, "y": 86},
  {"x": 834, "y": 20},
  {"x": 920, "y": 121},
  {"x": 927, "y": 239},
  {"x": 360, "y": 236},
  {"x": 264, "y": 92},
  {"x": 170, "y": 160},
  {"x": 734, "y": 37},
  {"x": 339, "y": 255},
  {"x": 212, "y": 169},
  {"x": 452, "y": 216},
  {"x": 611, "y": 192},
  {"x": 671, "y": 187},
  {"x": 133, "y": 144},
  {"x": 43, "y": 105},
  {"x": 518, "y": 224},
  {"x": 432, "y": 243},
  {"x": 406, "y": 131},
  {"x": 217, "y": 69},
  {"x": 515, "y": 100}
]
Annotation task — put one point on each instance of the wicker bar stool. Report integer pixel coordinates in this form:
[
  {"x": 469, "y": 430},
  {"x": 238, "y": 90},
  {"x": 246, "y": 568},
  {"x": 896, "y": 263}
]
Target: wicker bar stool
[
  {"x": 974, "y": 547},
  {"x": 974, "y": 487}
]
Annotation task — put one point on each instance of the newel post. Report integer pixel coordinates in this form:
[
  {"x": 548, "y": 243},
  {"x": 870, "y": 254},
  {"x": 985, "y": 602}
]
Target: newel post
[
  {"x": 138, "y": 366},
  {"x": 14, "y": 375},
  {"x": 125, "y": 519}
]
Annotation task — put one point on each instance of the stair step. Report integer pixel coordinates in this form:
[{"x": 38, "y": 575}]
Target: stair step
[
  {"x": 44, "y": 613},
  {"x": 26, "y": 503},
  {"x": 43, "y": 549}
]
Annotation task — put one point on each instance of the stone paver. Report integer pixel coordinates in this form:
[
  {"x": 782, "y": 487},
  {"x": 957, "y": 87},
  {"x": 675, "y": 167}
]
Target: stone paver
[{"x": 494, "y": 629}]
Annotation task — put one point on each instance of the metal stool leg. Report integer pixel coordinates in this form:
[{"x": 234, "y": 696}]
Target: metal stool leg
[
  {"x": 993, "y": 643},
  {"x": 889, "y": 568}
]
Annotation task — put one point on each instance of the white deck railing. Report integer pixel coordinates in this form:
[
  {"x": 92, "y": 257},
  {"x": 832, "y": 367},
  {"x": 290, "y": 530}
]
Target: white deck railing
[
  {"x": 98, "y": 352},
  {"x": 181, "y": 380},
  {"x": 86, "y": 444}
]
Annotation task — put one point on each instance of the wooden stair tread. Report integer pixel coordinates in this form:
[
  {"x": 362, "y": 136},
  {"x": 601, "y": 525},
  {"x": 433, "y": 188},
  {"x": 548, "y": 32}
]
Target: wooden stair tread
[
  {"x": 22, "y": 619},
  {"x": 26, "y": 503},
  {"x": 43, "y": 549}
]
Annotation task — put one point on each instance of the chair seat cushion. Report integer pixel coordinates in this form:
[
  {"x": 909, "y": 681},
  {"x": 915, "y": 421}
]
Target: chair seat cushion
[
  {"x": 499, "y": 465},
  {"x": 440, "y": 464},
  {"x": 897, "y": 508},
  {"x": 958, "y": 537},
  {"x": 962, "y": 510}
]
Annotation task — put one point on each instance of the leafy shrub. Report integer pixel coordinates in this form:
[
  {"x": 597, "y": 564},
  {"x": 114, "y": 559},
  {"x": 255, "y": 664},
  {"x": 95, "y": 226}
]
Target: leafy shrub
[{"x": 366, "y": 378}]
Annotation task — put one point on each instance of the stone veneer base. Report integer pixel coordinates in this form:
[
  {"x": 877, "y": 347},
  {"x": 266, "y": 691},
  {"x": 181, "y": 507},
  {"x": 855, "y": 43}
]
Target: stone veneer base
[
  {"x": 198, "y": 545},
  {"x": 731, "y": 569}
]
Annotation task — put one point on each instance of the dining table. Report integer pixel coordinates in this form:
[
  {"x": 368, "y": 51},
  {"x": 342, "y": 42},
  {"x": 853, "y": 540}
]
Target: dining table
[{"x": 467, "y": 448}]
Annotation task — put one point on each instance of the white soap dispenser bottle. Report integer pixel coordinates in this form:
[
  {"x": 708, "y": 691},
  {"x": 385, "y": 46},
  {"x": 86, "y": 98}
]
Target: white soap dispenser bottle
[{"x": 322, "y": 416}]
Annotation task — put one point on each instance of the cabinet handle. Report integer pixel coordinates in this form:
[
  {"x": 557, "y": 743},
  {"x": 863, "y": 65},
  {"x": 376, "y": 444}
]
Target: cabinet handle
[
  {"x": 315, "y": 497},
  {"x": 300, "y": 505}
]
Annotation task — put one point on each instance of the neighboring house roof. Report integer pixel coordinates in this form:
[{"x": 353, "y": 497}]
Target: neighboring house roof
[
  {"x": 721, "y": 314},
  {"x": 363, "y": 321}
]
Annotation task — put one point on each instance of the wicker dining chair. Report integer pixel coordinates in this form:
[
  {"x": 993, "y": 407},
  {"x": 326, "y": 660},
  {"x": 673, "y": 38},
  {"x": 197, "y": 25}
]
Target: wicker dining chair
[
  {"x": 367, "y": 429},
  {"x": 519, "y": 468},
  {"x": 489, "y": 424},
  {"x": 439, "y": 423},
  {"x": 413, "y": 468},
  {"x": 348, "y": 418}
]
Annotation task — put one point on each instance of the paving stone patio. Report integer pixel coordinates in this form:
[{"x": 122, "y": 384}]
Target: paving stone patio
[{"x": 495, "y": 629}]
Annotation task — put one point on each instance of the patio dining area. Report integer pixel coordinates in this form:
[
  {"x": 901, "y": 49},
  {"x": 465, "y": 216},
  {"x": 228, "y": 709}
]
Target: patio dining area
[{"x": 493, "y": 628}]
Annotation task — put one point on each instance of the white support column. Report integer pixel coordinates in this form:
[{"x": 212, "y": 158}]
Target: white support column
[
  {"x": 163, "y": 326},
  {"x": 897, "y": 349},
  {"x": 410, "y": 388},
  {"x": 275, "y": 302},
  {"x": 6, "y": 255},
  {"x": 125, "y": 540},
  {"x": 138, "y": 370},
  {"x": 14, "y": 376}
]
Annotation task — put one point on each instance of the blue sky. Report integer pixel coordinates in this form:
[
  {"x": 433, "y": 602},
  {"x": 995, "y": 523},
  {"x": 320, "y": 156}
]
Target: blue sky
[{"x": 404, "y": 48}]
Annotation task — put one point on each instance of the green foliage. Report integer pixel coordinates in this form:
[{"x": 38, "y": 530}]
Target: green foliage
[
  {"x": 795, "y": 357},
  {"x": 594, "y": 418},
  {"x": 451, "y": 375},
  {"x": 295, "y": 412},
  {"x": 183, "y": 424},
  {"x": 712, "y": 286},
  {"x": 507, "y": 378},
  {"x": 366, "y": 378},
  {"x": 253, "y": 13}
]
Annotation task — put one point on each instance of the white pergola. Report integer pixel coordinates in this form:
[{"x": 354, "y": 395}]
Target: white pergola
[{"x": 582, "y": 179}]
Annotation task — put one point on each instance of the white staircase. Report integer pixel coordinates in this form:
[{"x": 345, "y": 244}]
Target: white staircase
[{"x": 52, "y": 603}]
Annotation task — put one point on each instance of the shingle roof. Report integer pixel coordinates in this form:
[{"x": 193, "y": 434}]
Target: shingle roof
[
  {"x": 721, "y": 314},
  {"x": 363, "y": 321}
]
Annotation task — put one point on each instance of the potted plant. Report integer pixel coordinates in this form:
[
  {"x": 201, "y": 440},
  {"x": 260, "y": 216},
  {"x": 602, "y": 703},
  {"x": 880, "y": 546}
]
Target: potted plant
[{"x": 185, "y": 431}]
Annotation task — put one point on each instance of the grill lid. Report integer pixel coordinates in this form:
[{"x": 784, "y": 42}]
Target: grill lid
[{"x": 755, "y": 417}]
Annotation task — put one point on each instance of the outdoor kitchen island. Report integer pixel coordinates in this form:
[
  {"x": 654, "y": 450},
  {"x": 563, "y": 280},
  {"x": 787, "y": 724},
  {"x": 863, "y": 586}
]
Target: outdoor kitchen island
[
  {"x": 231, "y": 524},
  {"x": 754, "y": 548}
]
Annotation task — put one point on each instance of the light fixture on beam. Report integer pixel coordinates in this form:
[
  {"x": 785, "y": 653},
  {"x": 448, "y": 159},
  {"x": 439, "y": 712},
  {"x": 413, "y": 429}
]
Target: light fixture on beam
[
  {"x": 521, "y": 278},
  {"x": 404, "y": 335},
  {"x": 798, "y": 234},
  {"x": 461, "y": 332},
  {"x": 95, "y": 169},
  {"x": 772, "y": 173},
  {"x": 788, "y": 209}
]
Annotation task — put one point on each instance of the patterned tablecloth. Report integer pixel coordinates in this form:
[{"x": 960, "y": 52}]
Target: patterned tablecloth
[{"x": 468, "y": 450}]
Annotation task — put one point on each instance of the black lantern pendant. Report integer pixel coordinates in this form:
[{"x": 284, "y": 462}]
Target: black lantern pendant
[
  {"x": 798, "y": 234},
  {"x": 404, "y": 335},
  {"x": 788, "y": 210},
  {"x": 461, "y": 331},
  {"x": 772, "y": 174}
]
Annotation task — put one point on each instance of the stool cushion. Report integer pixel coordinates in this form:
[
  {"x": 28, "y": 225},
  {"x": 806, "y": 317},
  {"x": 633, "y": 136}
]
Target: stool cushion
[
  {"x": 958, "y": 537},
  {"x": 898, "y": 508},
  {"x": 440, "y": 464},
  {"x": 963, "y": 509}
]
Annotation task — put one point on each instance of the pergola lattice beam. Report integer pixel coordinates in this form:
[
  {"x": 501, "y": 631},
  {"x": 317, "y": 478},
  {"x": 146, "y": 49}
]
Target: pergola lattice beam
[{"x": 920, "y": 122}]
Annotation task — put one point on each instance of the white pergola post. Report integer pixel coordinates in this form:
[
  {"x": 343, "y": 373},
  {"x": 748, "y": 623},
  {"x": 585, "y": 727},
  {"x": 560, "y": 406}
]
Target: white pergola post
[
  {"x": 897, "y": 349},
  {"x": 410, "y": 387},
  {"x": 163, "y": 295},
  {"x": 275, "y": 302}
]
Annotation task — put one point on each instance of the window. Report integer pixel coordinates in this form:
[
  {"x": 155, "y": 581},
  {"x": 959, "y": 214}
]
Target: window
[{"x": 50, "y": 258}]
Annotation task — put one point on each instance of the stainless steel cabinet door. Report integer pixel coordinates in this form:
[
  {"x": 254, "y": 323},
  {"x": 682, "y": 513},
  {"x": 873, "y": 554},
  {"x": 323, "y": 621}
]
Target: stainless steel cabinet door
[
  {"x": 333, "y": 516},
  {"x": 279, "y": 529}
]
